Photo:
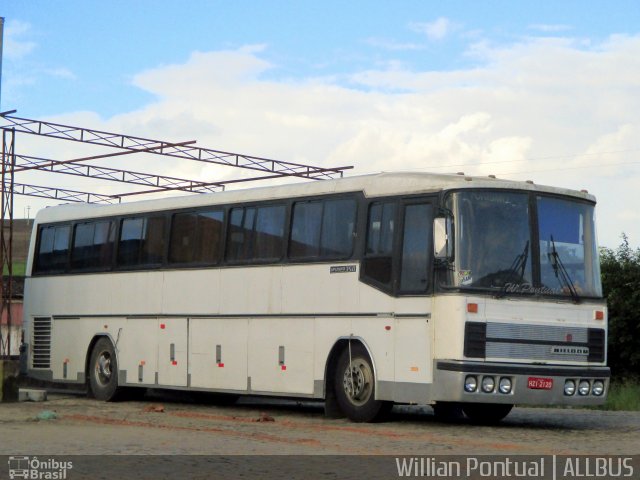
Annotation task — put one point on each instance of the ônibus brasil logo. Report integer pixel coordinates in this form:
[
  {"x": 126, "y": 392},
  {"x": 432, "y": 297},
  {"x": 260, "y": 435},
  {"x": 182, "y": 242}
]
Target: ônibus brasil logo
[{"x": 33, "y": 468}]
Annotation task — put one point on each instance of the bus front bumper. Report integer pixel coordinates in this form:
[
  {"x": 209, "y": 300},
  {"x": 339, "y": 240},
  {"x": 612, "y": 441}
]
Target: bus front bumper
[{"x": 529, "y": 384}]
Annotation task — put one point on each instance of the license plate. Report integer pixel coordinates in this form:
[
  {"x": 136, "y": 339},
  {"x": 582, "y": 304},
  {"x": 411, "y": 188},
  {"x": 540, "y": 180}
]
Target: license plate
[{"x": 539, "y": 383}]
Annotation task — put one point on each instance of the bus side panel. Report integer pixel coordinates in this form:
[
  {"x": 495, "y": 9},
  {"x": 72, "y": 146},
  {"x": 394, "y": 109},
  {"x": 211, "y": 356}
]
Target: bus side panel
[
  {"x": 191, "y": 292},
  {"x": 281, "y": 355},
  {"x": 413, "y": 360},
  {"x": 172, "y": 352},
  {"x": 138, "y": 351},
  {"x": 218, "y": 353},
  {"x": 449, "y": 313},
  {"x": 70, "y": 338},
  {"x": 250, "y": 290}
]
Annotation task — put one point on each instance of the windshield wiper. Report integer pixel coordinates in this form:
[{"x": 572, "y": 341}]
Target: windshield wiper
[
  {"x": 516, "y": 270},
  {"x": 561, "y": 272}
]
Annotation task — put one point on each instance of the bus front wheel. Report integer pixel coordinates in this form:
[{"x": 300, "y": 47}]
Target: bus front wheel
[
  {"x": 103, "y": 371},
  {"x": 355, "y": 386},
  {"x": 486, "y": 413}
]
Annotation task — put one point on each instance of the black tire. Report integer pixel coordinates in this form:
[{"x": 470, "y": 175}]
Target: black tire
[
  {"x": 103, "y": 371},
  {"x": 448, "y": 412},
  {"x": 354, "y": 384},
  {"x": 486, "y": 413}
]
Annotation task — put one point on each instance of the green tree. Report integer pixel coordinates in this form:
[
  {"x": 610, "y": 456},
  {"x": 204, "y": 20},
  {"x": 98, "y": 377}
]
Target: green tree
[{"x": 621, "y": 286}]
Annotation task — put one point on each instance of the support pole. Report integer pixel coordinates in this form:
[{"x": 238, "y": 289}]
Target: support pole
[{"x": 6, "y": 237}]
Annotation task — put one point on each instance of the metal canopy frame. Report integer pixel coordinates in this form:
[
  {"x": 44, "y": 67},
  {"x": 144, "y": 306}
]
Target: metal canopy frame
[{"x": 118, "y": 145}]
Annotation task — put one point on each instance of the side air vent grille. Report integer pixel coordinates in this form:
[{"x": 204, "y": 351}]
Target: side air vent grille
[
  {"x": 596, "y": 342},
  {"x": 475, "y": 339},
  {"x": 42, "y": 342}
]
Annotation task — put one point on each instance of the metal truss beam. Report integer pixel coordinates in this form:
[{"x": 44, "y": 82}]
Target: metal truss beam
[
  {"x": 160, "y": 182},
  {"x": 127, "y": 142},
  {"x": 63, "y": 194}
]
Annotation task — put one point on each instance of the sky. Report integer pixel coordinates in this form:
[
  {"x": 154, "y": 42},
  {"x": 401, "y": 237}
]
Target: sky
[{"x": 530, "y": 90}]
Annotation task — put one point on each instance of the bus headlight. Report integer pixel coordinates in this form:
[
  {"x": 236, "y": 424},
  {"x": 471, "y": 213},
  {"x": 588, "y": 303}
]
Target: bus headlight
[
  {"x": 584, "y": 388},
  {"x": 598, "y": 388},
  {"x": 488, "y": 384},
  {"x": 470, "y": 384},
  {"x": 569, "y": 387},
  {"x": 505, "y": 385}
]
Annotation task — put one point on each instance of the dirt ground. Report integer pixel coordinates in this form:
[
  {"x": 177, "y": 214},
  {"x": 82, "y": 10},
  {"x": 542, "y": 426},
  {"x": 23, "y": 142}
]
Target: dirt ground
[{"x": 166, "y": 423}]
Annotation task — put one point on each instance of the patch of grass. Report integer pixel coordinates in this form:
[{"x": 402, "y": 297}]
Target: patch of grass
[
  {"x": 18, "y": 269},
  {"x": 623, "y": 395}
]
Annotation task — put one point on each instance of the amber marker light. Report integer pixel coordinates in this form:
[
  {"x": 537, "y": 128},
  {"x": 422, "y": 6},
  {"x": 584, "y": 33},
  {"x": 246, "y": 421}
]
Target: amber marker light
[
  {"x": 472, "y": 307},
  {"x": 599, "y": 315}
]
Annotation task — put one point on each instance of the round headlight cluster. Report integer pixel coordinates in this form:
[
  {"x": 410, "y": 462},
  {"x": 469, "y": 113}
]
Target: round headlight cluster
[
  {"x": 488, "y": 384},
  {"x": 470, "y": 384},
  {"x": 569, "y": 387},
  {"x": 505, "y": 385},
  {"x": 598, "y": 388},
  {"x": 584, "y": 387}
]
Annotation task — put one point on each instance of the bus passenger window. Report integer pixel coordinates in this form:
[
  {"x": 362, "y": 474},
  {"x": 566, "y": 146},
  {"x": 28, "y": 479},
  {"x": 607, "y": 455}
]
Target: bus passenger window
[
  {"x": 378, "y": 264},
  {"x": 305, "y": 230},
  {"x": 240, "y": 238},
  {"x": 93, "y": 245},
  {"x": 54, "y": 249},
  {"x": 416, "y": 248},
  {"x": 141, "y": 241},
  {"x": 338, "y": 225},
  {"x": 269, "y": 233},
  {"x": 196, "y": 237}
]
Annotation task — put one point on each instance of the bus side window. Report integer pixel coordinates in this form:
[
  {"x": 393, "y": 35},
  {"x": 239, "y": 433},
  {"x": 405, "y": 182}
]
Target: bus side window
[
  {"x": 53, "y": 249},
  {"x": 338, "y": 225},
  {"x": 268, "y": 239},
  {"x": 416, "y": 248},
  {"x": 378, "y": 261},
  {"x": 305, "y": 230},
  {"x": 93, "y": 245},
  {"x": 322, "y": 229},
  {"x": 141, "y": 241},
  {"x": 240, "y": 238},
  {"x": 196, "y": 237}
]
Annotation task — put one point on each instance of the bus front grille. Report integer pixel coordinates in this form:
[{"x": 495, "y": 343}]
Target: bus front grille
[
  {"x": 495, "y": 340},
  {"x": 42, "y": 342}
]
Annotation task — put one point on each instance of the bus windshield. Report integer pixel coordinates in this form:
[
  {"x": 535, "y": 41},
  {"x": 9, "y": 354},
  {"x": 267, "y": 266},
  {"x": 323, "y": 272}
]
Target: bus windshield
[{"x": 504, "y": 244}]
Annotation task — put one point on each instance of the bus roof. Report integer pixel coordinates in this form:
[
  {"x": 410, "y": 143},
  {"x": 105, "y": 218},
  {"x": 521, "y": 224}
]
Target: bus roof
[{"x": 372, "y": 185}]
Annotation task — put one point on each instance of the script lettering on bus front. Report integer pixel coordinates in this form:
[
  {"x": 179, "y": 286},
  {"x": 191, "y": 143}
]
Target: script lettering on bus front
[{"x": 528, "y": 288}]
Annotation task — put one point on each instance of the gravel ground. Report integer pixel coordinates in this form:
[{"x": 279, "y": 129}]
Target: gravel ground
[{"x": 169, "y": 424}]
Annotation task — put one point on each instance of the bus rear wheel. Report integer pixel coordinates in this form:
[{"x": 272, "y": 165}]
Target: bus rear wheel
[
  {"x": 486, "y": 413},
  {"x": 355, "y": 386},
  {"x": 103, "y": 371}
]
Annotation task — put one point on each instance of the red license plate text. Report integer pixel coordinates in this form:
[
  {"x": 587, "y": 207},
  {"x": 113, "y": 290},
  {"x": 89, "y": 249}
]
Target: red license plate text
[{"x": 539, "y": 383}]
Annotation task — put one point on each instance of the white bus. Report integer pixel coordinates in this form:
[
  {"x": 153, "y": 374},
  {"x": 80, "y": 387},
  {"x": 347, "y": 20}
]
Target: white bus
[{"x": 469, "y": 294}]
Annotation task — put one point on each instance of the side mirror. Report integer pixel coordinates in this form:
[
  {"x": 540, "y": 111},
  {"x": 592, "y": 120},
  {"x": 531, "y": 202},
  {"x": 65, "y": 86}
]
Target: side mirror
[{"x": 443, "y": 247}]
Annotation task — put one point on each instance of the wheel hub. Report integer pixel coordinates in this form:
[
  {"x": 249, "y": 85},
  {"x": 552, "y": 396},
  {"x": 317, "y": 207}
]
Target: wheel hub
[
  {"x": 103, "y": 368},
  {"x": 358, "y": 382}
]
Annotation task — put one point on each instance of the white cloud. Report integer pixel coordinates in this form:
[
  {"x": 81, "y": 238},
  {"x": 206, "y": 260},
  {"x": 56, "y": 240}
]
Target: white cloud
[
  {"x": 546, "y": 109},
  {"x": 436, "y": 30},
  {"x": 549, "y": 28},
  {"x": 392, "y": 45},
  {"x": 15, "y": 46},
  {"x": 61, "y": 73}
]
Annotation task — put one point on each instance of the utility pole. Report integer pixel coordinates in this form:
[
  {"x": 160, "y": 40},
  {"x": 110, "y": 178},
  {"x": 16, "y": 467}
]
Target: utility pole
[{"x": 1, "y": 41}]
